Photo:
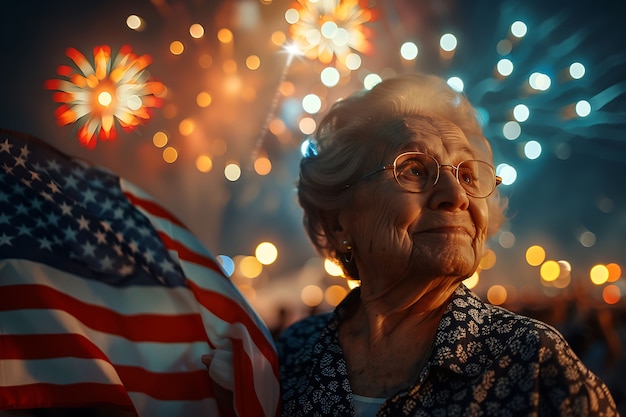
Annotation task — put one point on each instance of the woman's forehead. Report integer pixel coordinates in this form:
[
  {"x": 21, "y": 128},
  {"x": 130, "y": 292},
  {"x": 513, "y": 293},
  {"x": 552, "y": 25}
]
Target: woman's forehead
[{"x": 434, "y": 136}]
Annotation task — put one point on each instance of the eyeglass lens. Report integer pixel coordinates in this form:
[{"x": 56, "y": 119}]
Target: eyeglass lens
[{"x": 419, "y": 172}]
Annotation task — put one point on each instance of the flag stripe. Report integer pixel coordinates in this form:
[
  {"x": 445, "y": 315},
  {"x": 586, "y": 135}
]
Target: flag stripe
[
  {"x": 43, "y": 395},
  {"x": 140, "y": 327},
  {"x": 230, "y": 312},
  {"x": 63, "y": 371},
  {"x": 152, "y": 207},
  {"x": 146, "y": 298},
  {"x": 43, "y": 324}
]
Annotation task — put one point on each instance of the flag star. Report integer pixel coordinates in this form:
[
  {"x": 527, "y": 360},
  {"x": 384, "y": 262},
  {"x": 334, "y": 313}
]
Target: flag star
[
  {"x": 36, "y": 204},
  {"x": 53, "y": 165},
  {"x": 24, "y": 230},
  {"x": 19, "y": 160},
  {"x": 166, "y": 265},
  {"x": 54, "y": 187},
  {"x": 6, "y": 146},
  {"x": 27, "y": 182},
  {"x": 40, "y": 223},
  {"x": 118, "y": 213},
  {"x": 134, "y": 246},
  {"x": 106, "y": 205},
  {"x": 126, "y": 270},
  {"x": 66, "y": 209},
  {"x": 119, "y": 236},
  {"x": 118, "y": 250},
  {"x": 4, "y": 218},
  {"x": 34, "y": 176},
  {"x": 44, "y": 243},
  {"x": 53, "y": 219},
  {"x": 4, "y": 197},
  {"x": 106, "y": 226},
  {"x": 71, "y": 182},
  {"x": 7, "y": 169},
  {"x": 100, "y": 237},
  {"x": 89, "y": 195},
  {"x": 89, "y": 249},
  {"x": 24, "y": 151},
  {"x": 106, "y": 263},
  {"x": 5, "y": 240},
  {"x": 130, "y": 223},
  {"x": 46, "y": 196},
  {"x": 149, "y": 255},
  {"x": 21, "y": 209},
  {"x": 18, "y": 189},
  {"x": 70, "y": 234},
  {"x": 83, "y": 223},
  {"x": 143, "y": 231}
]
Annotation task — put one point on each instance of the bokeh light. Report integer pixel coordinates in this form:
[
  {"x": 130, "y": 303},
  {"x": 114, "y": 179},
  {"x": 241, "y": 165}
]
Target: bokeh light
[
  {"x": 535, "y": 255},
  {"x": 497, "y": 294},
  {"x": 334, "y": 294},
  {"x": 550, "y": 270},
  {"x": 250, "y": 267},
  {"x": 170, "y": 155},
  {"x": 409, "y": 51},
  {"x": 312, "y": 295},
  {"x": 204, "y": 163},
  {"x": 232, "y": 172},
  {"x": 599, "y": 274},
  {"x": 266, "y": 253},
  {"x": 519, "y": 29}
]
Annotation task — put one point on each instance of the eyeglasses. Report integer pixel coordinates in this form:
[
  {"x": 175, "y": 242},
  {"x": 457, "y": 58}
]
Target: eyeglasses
[{"x": 417, "y": 172}]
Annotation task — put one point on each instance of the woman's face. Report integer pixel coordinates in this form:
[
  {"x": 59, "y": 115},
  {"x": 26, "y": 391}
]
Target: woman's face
[{"x": 400, "y": 237}]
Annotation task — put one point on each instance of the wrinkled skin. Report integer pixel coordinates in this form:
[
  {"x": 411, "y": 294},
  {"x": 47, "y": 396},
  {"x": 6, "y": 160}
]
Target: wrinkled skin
[{"x": 407, "y": 245}]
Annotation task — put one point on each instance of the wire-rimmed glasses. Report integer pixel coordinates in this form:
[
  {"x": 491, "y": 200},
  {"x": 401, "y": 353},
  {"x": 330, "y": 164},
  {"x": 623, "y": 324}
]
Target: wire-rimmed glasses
[{"x": 418, "y": 172}]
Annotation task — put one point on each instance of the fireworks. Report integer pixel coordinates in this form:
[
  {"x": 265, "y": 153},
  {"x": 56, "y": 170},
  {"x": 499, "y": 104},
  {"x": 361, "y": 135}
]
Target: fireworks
[
  {"x": 330, "y": 28},
  {"x": 109, "y": 92}
]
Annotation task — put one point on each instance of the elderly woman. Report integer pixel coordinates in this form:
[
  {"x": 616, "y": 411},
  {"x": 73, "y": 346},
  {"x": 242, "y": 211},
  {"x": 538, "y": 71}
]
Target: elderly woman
[{"x": 400, "y": 190}]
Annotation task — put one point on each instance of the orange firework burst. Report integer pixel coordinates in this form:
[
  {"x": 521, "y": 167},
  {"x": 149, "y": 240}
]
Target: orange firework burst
[
  {"x": 109, "y": 91},
  {"x": 331, "y": 28}
]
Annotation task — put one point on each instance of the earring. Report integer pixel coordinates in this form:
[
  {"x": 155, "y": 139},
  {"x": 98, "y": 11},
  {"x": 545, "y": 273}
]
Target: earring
[{"x": 347, "y": 257}]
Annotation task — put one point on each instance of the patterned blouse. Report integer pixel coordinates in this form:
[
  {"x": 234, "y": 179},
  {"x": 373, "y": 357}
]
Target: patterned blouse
[{"x": 486, "y": 361}]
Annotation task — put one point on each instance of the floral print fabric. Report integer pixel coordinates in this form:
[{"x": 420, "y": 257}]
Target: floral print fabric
[{"x": 485, "y": 361}]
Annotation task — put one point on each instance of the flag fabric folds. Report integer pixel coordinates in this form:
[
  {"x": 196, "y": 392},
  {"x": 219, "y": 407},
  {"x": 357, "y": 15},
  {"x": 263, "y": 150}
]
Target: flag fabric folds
[{"x": 107, "y": 299}]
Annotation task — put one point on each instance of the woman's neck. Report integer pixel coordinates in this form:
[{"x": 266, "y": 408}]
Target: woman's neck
[{"x": 384, "y": 314}]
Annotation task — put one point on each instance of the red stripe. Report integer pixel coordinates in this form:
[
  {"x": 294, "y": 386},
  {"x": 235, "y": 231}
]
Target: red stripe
[
  {"x": 72, "y": 395},
  {"x": 171, "y": 386},
  {"x": 190, "y": 385},
  {"x": 231, "y": 312},
  {"x": 246, "y": 402},
  {"x": 188, "y": 255},
  {"x": 153, "y": 208},
  {"x": 31, "y": 346},
  {"x": 138, "y": 327}
]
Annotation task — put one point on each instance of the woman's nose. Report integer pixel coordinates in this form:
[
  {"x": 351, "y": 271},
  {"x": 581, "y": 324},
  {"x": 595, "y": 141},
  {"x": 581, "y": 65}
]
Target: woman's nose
[{"x": 448, "y": 193}]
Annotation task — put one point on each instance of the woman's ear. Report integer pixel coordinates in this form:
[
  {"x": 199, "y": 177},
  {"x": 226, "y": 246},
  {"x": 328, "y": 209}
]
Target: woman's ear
[{"x": 335, "y": 230}]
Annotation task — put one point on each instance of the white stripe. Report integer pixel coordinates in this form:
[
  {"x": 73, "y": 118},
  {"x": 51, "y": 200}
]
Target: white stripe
[
  {"x": 154, "y": 357},
  {"x": 147, "y": 406},
  {"x": 180, "y": 234},
  {"x": 59, "y": 371},
  {"x": 126, "y": 300},
  {"x": 266, "y": 385},
  {"x": 198, "y": 275}
]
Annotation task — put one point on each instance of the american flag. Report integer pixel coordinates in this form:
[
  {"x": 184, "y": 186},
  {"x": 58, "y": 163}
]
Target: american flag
[{"x": 106, "y": 298}]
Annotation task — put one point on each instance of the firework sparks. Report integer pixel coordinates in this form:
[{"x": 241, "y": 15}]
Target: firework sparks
[
  {"x": 331, "y": 28},
  {"x": 109, "y": 92}
]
